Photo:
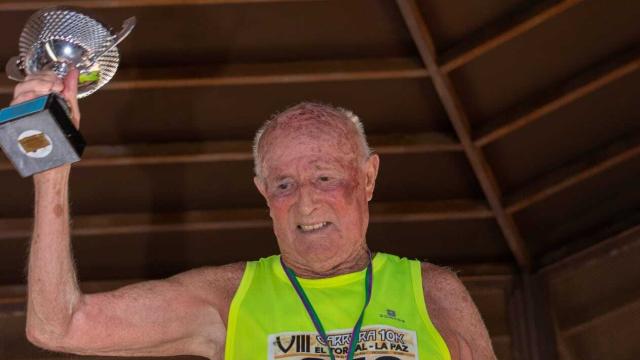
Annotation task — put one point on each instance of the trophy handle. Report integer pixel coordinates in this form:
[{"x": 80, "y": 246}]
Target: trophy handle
[
  {"x": 13, "y": 69},
  {"x": 127, "y": 27}
]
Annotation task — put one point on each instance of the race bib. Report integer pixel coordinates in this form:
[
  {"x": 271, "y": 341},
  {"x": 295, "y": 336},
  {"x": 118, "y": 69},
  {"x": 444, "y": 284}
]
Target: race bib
[{"x": 376, "y": 342}]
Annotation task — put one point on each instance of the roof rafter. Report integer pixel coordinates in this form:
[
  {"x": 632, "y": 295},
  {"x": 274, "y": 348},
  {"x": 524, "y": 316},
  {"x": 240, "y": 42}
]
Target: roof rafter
[
  {"x": 597, "y": 319},
  {"x": 504, "y": 31},
  {"x": 564, "y": 94},
  {"x": 111, "y": 224},
  {"x": 452, "y": 104},
  {"x": 259, "y": 74},
  {"x": 599, "y": 250},
  {"x": 212, "y": 151},
  {"x": 22, "y": 5},
  {"x": 577, "y": 171}
]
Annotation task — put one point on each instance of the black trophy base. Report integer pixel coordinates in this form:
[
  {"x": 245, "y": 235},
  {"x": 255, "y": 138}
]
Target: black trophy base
[{"x": 38, "y": 135}]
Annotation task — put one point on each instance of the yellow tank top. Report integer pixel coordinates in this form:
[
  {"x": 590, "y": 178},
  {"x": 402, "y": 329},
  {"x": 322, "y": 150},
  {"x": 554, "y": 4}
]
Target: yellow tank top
[{"x": 267, "y": 320}]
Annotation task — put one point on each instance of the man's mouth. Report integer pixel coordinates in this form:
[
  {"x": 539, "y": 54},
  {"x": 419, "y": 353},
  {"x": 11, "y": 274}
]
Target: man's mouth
[{"x": 313, "y": 227}]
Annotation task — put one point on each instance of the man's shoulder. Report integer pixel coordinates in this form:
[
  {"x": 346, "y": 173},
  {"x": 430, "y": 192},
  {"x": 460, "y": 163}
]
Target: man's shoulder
[
  {"x": 440, "y": 280},
  {"x": 454, "y": 313},
  {"x": 227, "y": 271},
  {"x": 219, "y": 282}
]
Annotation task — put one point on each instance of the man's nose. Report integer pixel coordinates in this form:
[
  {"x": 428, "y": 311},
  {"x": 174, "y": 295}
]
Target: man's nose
[{"x": 307, "y": 199}]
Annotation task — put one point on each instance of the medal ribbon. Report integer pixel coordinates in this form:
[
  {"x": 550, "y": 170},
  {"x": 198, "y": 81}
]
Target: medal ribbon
[{"x": 355, "y": 333}]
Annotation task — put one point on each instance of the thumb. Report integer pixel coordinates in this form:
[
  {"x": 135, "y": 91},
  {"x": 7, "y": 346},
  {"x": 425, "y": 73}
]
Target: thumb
[{"x": 70, "y": 93}]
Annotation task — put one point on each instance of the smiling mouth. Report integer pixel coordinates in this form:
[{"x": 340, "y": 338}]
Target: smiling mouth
[{"x": 308, "y": 228}]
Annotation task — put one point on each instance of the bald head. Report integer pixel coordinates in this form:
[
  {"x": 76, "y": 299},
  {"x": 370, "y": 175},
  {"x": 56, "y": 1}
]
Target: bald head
[{"x": 309, "y": 120}]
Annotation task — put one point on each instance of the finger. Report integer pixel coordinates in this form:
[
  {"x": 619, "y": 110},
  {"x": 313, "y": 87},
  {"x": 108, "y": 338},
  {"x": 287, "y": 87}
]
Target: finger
[
  {"x": 42, "y": 75},
  {"x": 38, "y": 85},
  {"x": 25, "y": 96},
  {"x": 32, "y": 93},
  {"x": 70, "y": 93},
  {"x": 29, "y": 95}
]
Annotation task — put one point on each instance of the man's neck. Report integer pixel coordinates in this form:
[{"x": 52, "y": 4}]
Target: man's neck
[{"x": 355, "y": 263}]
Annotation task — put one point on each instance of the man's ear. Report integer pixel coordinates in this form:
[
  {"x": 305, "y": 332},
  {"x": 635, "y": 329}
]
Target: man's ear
[{"x": 371, "y": 173}]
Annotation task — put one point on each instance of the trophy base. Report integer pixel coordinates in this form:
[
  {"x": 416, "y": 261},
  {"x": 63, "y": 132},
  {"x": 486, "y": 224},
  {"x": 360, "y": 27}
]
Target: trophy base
[{"x": 38, "y": 135}]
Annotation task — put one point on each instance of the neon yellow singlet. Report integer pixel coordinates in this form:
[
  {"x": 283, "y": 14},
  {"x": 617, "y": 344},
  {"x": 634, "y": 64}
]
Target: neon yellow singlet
[{"x": 267, "y": 320}]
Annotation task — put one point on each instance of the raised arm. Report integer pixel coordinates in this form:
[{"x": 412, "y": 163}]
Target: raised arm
[
  {"x": 185, "y": 314},
  {"x": 454, "y": 314}
]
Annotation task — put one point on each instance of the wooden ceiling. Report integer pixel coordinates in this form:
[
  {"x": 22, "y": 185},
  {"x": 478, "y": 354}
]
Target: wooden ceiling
[{"x": 509, "y": 132}]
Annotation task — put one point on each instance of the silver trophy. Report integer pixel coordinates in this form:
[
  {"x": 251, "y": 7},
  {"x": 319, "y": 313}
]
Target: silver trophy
[{"x": 38, "y": 134}]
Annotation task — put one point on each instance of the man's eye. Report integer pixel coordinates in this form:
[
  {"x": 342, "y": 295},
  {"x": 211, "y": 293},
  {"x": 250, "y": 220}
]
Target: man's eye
[
  {"x": 324, "y": 178},
  {"x": 283, "y": 186}
]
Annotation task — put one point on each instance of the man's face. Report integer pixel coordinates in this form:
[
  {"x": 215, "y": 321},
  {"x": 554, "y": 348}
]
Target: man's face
[{"x": 317, "y": 189}]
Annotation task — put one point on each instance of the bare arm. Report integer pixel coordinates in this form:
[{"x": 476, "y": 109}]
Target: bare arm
[
  {"x": 454, "y": 314},
  {"x": 184, "y": 314}
]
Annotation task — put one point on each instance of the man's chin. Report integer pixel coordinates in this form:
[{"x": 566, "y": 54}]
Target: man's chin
[{"x": 318, "y": 249}]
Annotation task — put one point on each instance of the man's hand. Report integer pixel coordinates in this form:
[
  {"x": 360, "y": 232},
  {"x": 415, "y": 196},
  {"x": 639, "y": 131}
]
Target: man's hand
[{"x": 44, "y": 83}]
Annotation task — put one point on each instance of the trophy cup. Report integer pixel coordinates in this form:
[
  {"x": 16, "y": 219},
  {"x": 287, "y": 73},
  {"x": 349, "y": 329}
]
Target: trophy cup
[{"x": 38, "y": 135}]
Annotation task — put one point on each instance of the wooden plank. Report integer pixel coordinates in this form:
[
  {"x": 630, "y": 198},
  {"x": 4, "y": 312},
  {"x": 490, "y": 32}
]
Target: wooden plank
[
  {"x": 258, "y": 74},
  {"x": 137, "y": 223},
  {"x": 598, "y": 251},
  {"x": 454, "y": 108},
  {"x": 429, "y": 211},
  {"x": 210, "y": 151},
  {"x": 9, "y": 5},
  {"x": 530, "y": 314},
  {"x": 633, "y": 305},
  {"x": 572, "y": 90},
  {"x": 580, "y": 170},
  {"x": 504, "y": 31},
  {"x": 417, "y": 143}
]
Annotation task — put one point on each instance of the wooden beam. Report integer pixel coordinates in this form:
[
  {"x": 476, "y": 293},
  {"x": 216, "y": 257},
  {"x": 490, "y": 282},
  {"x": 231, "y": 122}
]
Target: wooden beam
[
  {"x": 532, "y": 321},
  {"x": 258, "y": 74},
  {"x": 24, "y": 5},
  {"x": 210, "y": 151},
  {"x": 458, "y": 117},
  {"x": 578, "y": 328},
  {"x": 580, "y": 170},
  {"x": 487, "y": 284},
  {"x": 503, "y": 31},
  {"x": 568, "y": 92},
  {"x": 598, "y": 251},
  {"x": 139, "y": 223},
  {"x": 114, "y": 224},
  {"x": 429, "y": 211}
]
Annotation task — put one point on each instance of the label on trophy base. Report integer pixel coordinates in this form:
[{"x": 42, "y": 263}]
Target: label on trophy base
[{"x": 35, "y": 144}]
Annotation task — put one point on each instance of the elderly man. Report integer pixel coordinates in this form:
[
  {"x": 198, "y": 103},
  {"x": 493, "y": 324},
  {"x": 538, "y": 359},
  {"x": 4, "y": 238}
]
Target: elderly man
[{"x": 325, "y": 297}]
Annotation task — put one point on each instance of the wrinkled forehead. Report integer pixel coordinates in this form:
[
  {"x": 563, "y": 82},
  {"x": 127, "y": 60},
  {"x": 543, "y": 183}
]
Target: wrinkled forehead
[{"x": 311, "y": 140}]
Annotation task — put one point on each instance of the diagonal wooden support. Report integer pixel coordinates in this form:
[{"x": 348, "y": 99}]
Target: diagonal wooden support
[{"x": 458, "y": 117}]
